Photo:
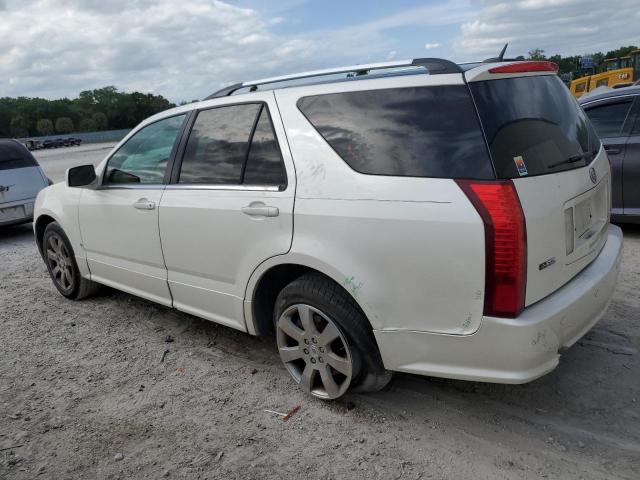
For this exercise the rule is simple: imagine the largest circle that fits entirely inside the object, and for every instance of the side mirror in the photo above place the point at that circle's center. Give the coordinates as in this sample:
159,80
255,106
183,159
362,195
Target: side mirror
81,176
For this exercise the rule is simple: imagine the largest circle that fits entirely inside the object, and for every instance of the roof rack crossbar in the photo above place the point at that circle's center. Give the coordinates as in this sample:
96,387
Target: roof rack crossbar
435,66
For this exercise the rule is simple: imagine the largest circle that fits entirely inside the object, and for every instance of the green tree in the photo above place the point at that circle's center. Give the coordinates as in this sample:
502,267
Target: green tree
64,125
44,126
100,121
87,125
19,126
536,54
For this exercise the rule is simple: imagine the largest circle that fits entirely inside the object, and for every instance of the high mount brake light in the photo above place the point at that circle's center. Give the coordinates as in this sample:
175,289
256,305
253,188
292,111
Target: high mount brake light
505,236
523,67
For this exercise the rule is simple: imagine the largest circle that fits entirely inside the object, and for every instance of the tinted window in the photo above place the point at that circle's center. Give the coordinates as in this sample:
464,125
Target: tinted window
608,119
533,125
13,155
421,132
264,164
218,145
144,157
580,87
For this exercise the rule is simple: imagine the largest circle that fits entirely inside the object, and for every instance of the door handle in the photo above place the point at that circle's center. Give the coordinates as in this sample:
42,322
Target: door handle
260,210
612,150
144,204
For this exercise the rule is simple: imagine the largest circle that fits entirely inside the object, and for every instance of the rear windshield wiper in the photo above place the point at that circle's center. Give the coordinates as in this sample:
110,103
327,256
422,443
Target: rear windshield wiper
572,159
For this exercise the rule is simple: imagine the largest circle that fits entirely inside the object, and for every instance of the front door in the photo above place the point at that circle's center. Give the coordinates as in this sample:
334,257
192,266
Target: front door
631,169
119,218
228,208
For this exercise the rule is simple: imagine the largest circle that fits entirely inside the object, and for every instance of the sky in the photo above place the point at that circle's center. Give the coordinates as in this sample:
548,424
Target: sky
187,49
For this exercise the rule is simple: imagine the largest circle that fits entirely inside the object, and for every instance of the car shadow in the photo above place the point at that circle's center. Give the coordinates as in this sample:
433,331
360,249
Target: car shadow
16,232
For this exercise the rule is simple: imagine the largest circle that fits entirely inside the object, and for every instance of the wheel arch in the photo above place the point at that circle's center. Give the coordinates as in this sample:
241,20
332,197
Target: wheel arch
39,226
277,272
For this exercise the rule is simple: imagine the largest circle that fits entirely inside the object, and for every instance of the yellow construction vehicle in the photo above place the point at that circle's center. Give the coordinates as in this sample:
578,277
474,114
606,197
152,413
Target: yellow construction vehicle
619,72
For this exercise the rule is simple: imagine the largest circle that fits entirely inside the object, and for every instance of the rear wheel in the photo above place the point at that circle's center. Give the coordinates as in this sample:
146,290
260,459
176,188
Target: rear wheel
324,339
61,264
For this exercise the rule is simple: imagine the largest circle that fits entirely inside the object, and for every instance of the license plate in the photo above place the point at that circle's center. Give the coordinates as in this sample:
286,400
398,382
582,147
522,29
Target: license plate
19,212
582,217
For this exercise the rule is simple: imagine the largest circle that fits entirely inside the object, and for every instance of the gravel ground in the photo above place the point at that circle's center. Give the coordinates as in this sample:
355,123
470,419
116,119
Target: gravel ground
85,393
118,387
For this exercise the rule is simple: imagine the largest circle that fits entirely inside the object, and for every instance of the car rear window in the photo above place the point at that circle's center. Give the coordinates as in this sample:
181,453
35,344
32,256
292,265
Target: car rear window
533,126
415,132
13,155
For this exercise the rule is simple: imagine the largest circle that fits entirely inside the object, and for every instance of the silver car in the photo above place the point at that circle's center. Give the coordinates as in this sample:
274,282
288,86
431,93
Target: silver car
21,178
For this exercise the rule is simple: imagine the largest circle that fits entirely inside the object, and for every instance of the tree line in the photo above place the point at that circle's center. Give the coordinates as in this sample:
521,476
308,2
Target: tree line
94,110
571,64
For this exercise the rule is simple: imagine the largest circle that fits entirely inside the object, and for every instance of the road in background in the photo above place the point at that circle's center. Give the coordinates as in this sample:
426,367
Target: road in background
55,161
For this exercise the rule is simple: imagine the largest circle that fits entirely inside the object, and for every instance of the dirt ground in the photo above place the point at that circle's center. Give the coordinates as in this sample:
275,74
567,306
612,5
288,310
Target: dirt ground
85,393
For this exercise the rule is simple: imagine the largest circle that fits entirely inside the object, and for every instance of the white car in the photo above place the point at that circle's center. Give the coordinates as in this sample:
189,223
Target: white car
418,216
21,178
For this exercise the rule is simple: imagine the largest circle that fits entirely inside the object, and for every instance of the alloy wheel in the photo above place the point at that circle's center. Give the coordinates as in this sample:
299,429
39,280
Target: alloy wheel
314,351
60,262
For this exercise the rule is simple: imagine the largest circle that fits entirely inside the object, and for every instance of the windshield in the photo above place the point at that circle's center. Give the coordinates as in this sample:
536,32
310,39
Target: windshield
533,126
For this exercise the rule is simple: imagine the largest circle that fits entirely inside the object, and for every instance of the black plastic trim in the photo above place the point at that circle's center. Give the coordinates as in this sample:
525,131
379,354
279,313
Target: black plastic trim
437,66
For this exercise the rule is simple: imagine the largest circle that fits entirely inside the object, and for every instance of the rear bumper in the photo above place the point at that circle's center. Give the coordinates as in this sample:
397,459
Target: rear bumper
12,213
513,350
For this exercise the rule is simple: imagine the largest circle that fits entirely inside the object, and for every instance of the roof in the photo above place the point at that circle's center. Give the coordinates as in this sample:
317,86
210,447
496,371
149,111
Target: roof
614,92
432,66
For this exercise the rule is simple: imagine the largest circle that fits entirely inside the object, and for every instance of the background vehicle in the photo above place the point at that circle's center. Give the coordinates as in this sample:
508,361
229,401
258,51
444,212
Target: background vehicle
450,220
21,178
33,144
619,72
616,117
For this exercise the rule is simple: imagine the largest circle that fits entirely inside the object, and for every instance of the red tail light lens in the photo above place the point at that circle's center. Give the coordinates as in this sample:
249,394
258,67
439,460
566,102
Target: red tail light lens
505,237
523,67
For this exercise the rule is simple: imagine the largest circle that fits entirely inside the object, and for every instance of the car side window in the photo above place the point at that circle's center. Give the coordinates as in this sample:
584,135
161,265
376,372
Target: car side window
218,145
608,119
234,145
264,163
144,157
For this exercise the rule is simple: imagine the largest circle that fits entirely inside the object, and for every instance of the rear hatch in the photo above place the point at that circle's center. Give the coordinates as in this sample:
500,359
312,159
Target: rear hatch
20,175
540,138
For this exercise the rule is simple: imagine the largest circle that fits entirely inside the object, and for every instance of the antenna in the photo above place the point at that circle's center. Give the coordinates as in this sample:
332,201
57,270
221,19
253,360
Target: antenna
499,58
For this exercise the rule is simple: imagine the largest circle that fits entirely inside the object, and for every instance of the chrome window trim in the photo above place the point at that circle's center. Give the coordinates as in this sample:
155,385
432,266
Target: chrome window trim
144,186
255,188
608,99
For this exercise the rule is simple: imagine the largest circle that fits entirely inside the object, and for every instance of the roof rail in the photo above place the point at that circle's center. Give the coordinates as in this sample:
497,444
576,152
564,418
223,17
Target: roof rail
434,66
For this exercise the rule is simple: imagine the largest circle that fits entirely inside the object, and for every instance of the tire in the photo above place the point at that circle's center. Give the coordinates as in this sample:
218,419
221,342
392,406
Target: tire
312,310
61,264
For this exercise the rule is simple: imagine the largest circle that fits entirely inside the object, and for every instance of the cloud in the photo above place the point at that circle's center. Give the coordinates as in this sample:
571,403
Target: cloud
430,46
186,50
557,26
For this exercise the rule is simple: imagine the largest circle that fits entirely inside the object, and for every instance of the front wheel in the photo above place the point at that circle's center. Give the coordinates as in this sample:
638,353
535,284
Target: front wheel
324,339
61,264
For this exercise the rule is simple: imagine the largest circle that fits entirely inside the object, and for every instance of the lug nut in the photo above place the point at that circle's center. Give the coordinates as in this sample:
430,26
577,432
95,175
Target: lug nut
314,340
313,360
306,351
320,359
321,349
306,340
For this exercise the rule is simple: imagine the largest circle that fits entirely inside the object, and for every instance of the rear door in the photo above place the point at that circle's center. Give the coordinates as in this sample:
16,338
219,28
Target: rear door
228,208
540,138
611,120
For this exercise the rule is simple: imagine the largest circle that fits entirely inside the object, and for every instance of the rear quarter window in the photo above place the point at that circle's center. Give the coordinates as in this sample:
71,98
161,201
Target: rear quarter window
415,132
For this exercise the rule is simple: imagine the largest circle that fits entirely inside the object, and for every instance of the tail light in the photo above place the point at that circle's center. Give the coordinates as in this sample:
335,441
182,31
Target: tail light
523,67
505,237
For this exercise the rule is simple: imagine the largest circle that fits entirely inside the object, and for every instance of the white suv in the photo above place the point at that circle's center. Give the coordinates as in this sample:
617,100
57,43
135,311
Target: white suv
420,216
